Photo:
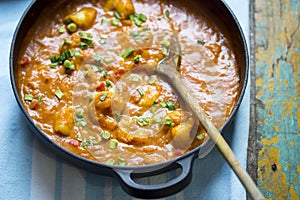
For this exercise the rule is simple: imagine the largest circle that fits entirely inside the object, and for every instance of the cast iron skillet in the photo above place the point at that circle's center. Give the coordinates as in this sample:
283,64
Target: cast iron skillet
228,23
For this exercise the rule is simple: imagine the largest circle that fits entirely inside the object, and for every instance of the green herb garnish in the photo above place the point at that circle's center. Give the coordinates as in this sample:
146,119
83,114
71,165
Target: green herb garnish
59,94
151,81
136,58
113,144
104,21
118,117
200,136
28,97
134,79
169,122
40,98
103,97
200,42
122,161
105,135
141,91
110,162
69,64
127,53
85,144
72,27
143,121
52,65
115,22
167,14
105,74
61,29
117,15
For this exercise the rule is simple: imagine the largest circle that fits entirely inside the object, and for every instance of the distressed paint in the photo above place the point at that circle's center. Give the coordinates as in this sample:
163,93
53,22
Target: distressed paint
275,98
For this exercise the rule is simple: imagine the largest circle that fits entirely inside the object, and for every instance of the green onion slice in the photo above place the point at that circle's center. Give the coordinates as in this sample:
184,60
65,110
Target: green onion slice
135,79
200,42
151,81
103,97
28,97
105,135
118,117
127,52
141,91
113,144
59,94
200,136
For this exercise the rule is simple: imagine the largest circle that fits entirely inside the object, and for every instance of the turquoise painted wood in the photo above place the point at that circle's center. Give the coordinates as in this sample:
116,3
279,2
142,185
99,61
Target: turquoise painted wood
274,145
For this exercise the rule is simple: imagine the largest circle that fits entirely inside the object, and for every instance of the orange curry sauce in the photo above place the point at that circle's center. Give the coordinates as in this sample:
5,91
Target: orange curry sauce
81,78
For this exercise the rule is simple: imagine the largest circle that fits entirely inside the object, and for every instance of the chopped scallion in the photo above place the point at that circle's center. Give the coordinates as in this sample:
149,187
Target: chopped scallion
200,136
135,79
136,58
104,21
72,27
108,83
85,144
105,74
115,22
105,135
167,14
170,105
113,144
52,65
110,162
69,64
122,161
153,110
103,97
127,52
118,117
80,121
143,121
82,45
151,81
168,122
141,91
28,97
53,59
59,94
40,98
200,42
77,54
163,104
79,112
67,42
61,29
117,15
142,17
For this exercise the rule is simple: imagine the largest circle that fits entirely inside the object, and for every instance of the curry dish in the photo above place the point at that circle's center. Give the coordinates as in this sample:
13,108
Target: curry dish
85,79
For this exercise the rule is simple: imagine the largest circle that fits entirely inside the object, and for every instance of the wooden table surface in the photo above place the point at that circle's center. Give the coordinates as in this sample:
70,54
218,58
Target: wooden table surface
274,141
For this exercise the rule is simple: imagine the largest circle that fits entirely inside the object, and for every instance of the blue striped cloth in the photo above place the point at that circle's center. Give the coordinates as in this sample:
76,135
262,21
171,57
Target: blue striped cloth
28,170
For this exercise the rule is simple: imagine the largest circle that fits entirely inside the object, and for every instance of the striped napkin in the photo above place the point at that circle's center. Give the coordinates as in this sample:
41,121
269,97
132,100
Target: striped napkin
29,171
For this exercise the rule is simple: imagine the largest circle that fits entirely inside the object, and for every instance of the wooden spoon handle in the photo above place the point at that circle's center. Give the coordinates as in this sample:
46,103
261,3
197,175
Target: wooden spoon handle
173,75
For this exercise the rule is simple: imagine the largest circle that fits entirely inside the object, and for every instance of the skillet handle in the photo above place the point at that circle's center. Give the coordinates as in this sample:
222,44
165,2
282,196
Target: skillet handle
157,190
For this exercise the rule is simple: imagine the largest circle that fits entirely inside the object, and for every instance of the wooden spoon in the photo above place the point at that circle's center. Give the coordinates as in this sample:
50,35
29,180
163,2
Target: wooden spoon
167,67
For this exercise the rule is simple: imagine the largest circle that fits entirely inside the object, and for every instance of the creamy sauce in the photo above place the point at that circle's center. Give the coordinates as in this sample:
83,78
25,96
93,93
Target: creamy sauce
114,95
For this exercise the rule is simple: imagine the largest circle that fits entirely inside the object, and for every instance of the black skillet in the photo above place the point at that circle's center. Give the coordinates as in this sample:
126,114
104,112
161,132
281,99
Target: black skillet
218,11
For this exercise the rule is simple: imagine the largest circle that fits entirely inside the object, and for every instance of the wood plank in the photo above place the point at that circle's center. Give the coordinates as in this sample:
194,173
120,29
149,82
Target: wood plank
274,141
